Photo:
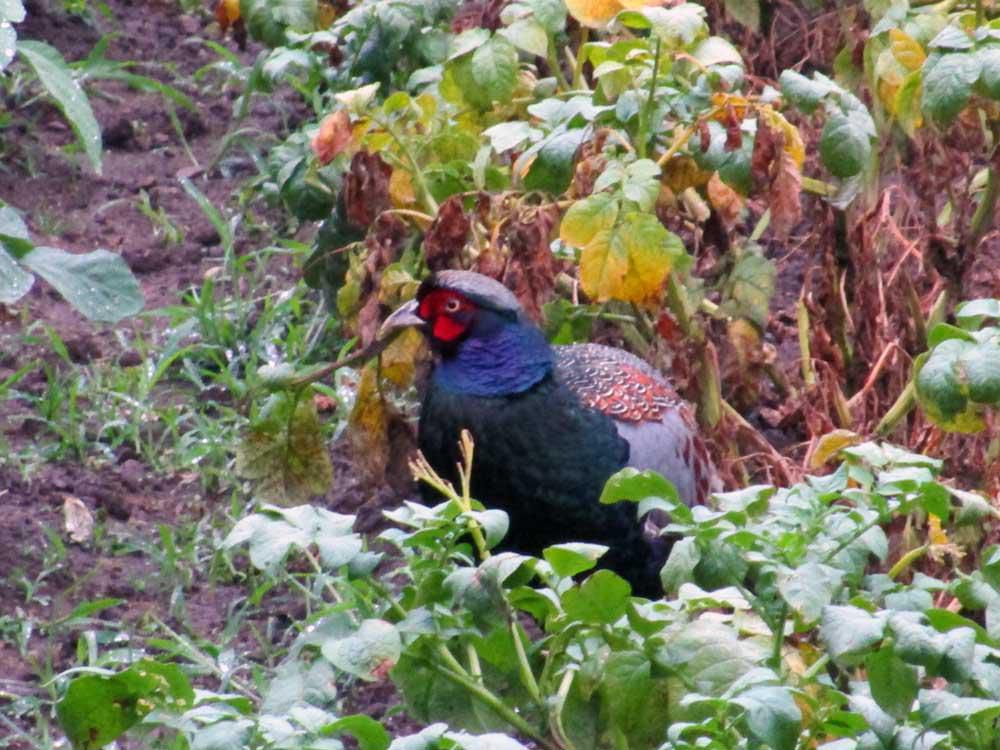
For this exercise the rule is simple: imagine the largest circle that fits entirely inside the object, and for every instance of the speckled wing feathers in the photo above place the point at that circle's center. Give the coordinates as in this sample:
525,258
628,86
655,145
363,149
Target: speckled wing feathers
659,426
615,383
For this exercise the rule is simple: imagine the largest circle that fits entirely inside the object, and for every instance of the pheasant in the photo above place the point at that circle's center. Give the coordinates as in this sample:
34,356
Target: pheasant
551,423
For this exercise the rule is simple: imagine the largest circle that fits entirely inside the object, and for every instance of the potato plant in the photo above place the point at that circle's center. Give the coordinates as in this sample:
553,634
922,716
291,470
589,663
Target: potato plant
581,152
774,631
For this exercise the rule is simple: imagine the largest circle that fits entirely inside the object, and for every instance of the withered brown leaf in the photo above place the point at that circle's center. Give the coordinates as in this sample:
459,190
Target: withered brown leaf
366,188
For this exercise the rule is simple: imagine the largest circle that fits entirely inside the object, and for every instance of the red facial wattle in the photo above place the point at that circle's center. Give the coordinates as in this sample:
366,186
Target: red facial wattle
447,329
447,312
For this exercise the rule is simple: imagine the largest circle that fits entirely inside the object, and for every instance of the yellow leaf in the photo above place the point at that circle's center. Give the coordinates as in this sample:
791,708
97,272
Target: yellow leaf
227,12
587,217
794,145
830,445
681,172
593,13
369,425
906,50
334,135
727,202
887,94
630,261
887,68
284,451
935,533
603,265
401,191
400,358
326,14
730,103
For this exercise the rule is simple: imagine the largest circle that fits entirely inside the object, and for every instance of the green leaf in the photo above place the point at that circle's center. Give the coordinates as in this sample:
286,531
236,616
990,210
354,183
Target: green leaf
944,331
717,51
552,168
635,486
749,287
601,599
772,716
58,80
14,281
948,81
8,44
529,35
268,20
468,41
916,642
369,733
979,369
634,700
681,564
951,37
908,103
490,74
98,284
708,654
809,588
285,451
881,723
551,14
745,12
494,523
804,93
368,653
14,234
274,531
958,376
507,135
98,709
850,632
989,70
12,11
970,315
569,559
586,218
893,682
940,708
844,146
677,27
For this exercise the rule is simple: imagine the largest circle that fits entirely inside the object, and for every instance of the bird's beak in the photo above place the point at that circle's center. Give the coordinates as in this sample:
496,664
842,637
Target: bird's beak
404,317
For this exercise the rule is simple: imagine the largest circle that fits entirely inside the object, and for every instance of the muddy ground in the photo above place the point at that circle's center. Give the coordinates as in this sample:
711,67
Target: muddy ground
67,205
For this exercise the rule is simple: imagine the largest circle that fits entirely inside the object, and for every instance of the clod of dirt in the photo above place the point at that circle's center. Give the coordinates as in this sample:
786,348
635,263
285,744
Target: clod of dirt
83,349
119,134
131,358
206,236
113,504
131,472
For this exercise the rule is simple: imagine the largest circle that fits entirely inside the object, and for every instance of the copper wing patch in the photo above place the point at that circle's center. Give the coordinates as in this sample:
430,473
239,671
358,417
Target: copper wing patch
617,389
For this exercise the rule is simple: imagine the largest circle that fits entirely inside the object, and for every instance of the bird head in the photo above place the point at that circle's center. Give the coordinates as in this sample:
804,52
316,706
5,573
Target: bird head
452,305
487,346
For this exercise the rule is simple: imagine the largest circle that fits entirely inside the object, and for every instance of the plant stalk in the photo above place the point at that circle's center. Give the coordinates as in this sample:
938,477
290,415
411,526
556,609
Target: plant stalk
485,696
904,563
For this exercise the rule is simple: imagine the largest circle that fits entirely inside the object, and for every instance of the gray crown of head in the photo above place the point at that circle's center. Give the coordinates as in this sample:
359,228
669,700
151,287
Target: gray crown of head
481,289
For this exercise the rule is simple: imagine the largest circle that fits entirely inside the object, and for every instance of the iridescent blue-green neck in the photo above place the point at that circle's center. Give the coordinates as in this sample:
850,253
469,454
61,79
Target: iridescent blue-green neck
499,356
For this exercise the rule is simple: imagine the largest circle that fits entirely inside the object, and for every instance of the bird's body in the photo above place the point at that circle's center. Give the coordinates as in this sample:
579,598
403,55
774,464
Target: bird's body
551,424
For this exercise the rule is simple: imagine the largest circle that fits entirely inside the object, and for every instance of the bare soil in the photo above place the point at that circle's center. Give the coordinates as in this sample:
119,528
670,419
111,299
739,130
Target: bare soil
67,205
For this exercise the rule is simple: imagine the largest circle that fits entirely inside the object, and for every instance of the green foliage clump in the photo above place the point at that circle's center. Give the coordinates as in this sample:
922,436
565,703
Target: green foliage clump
776,630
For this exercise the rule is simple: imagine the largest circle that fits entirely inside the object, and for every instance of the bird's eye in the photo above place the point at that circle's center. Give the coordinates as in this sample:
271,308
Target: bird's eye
453,305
